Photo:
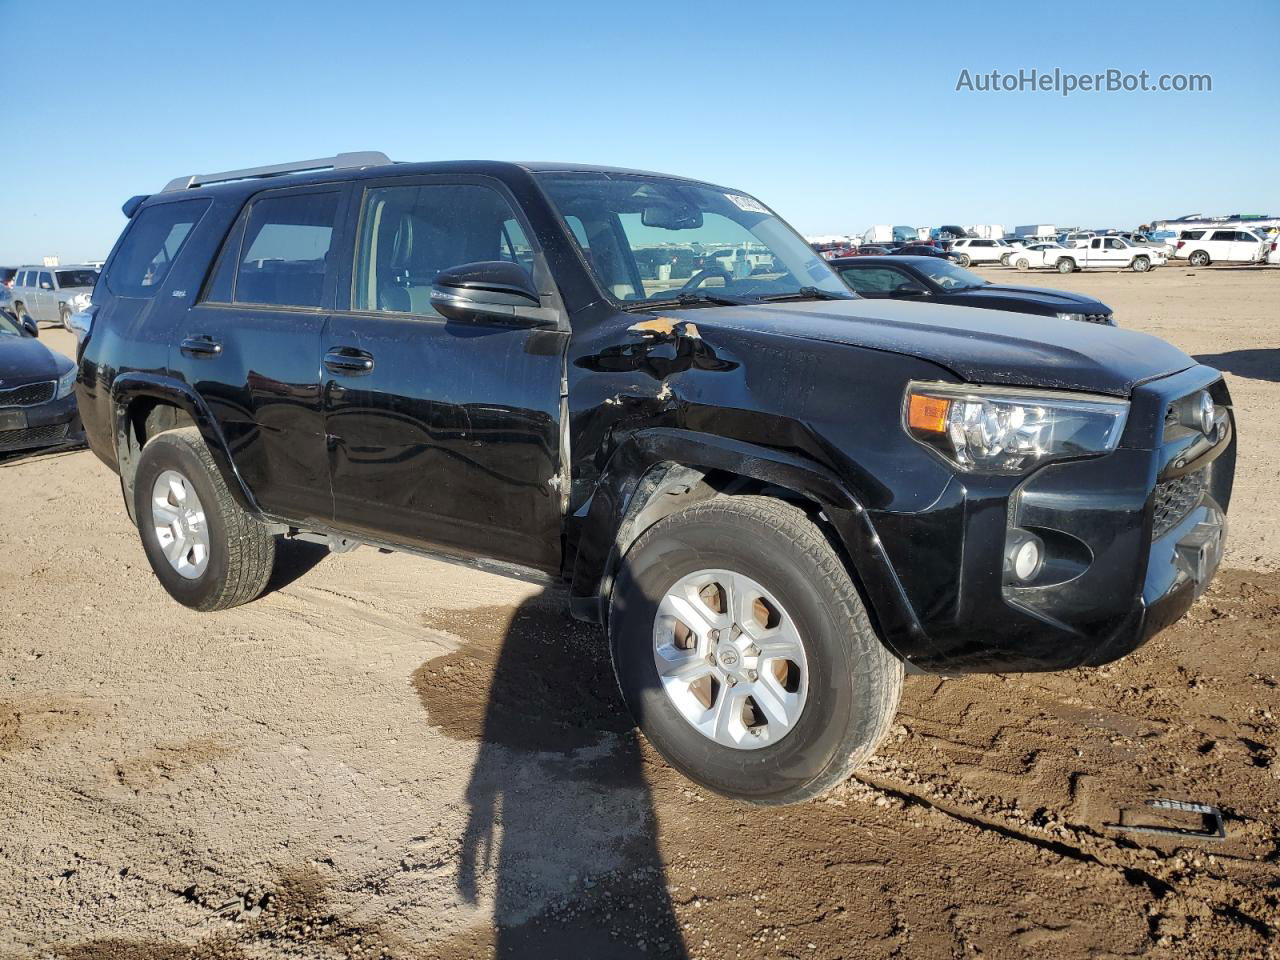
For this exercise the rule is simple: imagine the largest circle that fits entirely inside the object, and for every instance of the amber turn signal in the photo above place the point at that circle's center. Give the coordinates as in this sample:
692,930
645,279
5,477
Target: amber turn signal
928,413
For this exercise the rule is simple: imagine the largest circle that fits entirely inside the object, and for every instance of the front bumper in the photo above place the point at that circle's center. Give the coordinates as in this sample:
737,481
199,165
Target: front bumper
52,424
1130,541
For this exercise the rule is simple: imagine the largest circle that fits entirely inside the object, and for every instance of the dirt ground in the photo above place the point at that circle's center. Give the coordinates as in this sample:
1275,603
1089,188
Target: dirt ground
391,757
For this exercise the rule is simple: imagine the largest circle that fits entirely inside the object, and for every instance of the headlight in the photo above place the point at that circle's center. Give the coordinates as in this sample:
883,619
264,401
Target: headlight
81,301
1009,430
66,383
1078,317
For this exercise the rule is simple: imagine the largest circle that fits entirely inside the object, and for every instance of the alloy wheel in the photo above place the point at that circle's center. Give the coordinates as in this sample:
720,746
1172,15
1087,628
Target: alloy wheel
179,524
730,659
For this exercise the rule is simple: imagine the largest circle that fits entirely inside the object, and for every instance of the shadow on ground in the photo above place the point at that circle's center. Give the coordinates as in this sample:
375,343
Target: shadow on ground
1256,364
561,832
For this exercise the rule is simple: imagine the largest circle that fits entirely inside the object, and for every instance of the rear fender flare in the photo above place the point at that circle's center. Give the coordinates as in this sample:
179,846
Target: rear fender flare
130,389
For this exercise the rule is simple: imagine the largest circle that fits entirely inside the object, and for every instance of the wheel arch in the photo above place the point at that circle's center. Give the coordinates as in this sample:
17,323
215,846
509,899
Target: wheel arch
658,472
144,405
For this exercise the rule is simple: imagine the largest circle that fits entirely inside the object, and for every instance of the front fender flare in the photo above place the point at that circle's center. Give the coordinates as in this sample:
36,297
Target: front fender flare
602,539
127,389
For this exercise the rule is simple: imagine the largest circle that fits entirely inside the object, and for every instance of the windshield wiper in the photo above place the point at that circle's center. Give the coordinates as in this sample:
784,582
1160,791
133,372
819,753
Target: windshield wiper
690,299
805,293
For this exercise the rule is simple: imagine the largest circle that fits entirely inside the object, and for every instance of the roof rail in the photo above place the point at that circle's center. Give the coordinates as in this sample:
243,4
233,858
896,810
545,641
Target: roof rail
341,161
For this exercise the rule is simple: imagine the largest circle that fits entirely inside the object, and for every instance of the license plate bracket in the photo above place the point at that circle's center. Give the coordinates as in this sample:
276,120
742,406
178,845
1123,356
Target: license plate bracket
13,420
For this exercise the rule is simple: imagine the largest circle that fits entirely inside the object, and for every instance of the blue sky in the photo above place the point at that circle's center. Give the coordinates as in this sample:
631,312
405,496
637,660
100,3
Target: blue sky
837,115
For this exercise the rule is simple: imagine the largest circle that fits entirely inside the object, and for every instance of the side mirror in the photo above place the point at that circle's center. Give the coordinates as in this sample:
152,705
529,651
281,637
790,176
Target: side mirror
81,323
494,291
29,326
910,290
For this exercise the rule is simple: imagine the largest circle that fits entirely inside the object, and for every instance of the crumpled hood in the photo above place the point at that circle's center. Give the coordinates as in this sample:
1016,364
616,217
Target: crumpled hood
25,360
979,346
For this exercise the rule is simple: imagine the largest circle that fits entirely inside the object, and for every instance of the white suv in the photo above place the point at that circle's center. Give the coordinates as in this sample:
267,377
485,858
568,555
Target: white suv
1229,245
977,250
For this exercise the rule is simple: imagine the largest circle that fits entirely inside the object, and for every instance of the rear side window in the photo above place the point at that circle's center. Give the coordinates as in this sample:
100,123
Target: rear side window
874,279
1224,235
285,250
153,242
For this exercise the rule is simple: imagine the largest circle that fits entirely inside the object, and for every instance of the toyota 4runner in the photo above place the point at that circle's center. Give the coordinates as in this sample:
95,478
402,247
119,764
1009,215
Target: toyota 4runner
776,496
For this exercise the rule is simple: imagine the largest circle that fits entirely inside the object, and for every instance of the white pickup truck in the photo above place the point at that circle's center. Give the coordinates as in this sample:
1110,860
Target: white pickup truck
1105,253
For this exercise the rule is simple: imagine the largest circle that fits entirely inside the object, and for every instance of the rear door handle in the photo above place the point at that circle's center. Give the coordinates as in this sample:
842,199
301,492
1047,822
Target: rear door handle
349,361
201,346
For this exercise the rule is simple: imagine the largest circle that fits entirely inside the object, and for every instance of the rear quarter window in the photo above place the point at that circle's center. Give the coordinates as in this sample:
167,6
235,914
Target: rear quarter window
152,242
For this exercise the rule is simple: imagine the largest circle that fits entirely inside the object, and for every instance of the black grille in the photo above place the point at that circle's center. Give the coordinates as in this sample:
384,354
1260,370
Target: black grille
33,436
1174,499
27,395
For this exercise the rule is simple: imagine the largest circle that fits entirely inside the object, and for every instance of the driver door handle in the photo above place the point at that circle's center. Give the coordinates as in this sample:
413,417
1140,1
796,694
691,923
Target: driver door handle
201,346
349,361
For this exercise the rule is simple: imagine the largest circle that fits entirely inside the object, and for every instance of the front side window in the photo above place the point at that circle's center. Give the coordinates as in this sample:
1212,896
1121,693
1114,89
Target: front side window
46,281
410,234
653,239
285,250
1224,235
154,240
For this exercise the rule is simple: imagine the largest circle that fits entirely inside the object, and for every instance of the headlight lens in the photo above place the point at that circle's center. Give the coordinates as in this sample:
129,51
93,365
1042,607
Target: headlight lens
1078,317
1004,430
66,383
81,300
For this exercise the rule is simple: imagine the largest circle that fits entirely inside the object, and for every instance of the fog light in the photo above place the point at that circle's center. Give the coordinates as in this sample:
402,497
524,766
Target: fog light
1024,557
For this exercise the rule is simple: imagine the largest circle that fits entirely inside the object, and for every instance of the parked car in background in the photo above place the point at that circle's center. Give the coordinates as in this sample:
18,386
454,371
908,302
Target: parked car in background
1233,245
868,250
978,250
1103,253
51,294
37,402
1035,255
930,280
924,250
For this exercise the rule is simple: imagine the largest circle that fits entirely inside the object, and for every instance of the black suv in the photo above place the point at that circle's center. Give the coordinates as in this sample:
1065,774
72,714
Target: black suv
776,495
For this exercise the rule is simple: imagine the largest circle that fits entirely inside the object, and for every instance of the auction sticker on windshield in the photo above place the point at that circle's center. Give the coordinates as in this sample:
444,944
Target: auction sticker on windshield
749,204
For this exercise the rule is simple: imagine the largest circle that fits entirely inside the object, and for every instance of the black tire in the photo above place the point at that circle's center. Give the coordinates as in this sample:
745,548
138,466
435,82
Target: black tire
241,550
1066,265
964,260
1199,259
854,682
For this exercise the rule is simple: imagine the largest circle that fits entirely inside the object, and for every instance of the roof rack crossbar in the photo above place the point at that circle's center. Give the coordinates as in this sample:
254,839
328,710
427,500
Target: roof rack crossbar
341,161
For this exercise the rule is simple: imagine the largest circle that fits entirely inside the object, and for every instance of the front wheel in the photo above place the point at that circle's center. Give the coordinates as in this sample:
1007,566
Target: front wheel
1141,264
1066,265
205,549
745,654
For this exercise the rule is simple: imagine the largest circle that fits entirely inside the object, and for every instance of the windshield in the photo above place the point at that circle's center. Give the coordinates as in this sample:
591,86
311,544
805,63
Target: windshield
948,276
653,239
77,278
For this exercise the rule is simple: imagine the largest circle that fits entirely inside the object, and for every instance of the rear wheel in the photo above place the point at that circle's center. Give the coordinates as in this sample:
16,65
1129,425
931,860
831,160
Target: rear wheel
746,655
1199,259
206,550
1066,265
